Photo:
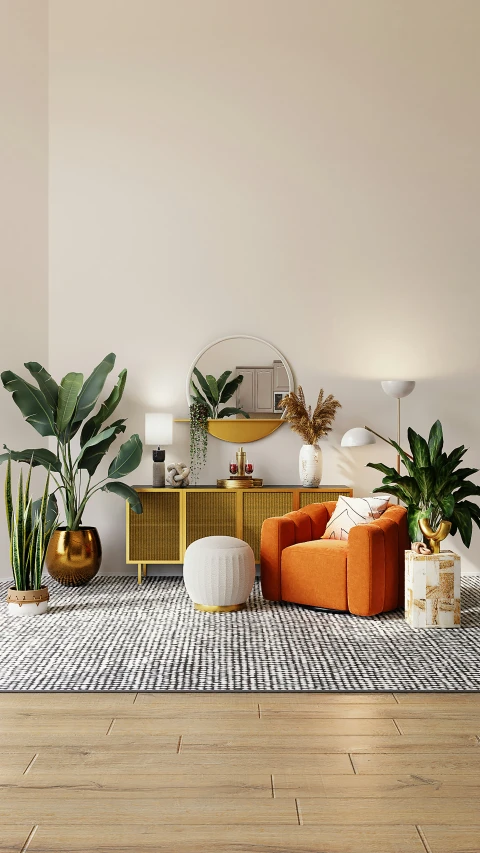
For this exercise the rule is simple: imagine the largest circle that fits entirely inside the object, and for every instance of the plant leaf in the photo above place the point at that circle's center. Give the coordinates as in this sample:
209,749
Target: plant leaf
32,403
92,387
38,456
8,496
93,452
67,399
230,410
466,490
419,448
105,411
391,473
127,459
447,505
463,520
126,492
414,514
426,482
230,388
222,380
212,384
204,386
45,382
435,441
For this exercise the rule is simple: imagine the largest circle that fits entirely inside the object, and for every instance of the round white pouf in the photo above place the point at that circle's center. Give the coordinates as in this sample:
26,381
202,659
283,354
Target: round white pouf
219,572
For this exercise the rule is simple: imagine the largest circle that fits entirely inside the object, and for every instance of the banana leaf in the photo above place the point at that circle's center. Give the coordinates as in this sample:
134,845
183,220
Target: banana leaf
92,387
230,388
222,380
45,382
37,456
93,452
127,493
32,403
67,399
212,384
92,426
204,386
127,459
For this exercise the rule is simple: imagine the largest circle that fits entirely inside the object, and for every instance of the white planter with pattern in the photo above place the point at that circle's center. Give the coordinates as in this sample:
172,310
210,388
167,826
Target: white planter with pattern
310,466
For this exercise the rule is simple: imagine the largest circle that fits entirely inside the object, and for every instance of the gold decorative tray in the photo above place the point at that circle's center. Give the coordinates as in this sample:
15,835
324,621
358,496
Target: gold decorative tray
240,483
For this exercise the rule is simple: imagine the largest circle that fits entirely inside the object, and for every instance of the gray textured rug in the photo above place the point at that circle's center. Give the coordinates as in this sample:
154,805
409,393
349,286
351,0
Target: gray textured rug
115,635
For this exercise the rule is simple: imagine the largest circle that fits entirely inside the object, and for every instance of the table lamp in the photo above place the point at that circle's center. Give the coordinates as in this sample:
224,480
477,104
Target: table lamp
158,431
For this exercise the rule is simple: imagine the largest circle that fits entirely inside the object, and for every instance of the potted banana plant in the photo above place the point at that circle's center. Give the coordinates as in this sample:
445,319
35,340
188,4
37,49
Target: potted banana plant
70,412
31,525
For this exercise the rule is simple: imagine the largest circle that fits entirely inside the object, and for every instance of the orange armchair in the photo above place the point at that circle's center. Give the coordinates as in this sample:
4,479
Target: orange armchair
364,575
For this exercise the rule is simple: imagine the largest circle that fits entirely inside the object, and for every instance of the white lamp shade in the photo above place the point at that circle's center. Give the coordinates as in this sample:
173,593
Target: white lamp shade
398,387
357,437
158,429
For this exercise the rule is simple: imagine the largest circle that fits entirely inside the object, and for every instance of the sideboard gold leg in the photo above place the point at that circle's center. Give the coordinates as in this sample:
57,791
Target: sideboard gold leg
140,572
144,570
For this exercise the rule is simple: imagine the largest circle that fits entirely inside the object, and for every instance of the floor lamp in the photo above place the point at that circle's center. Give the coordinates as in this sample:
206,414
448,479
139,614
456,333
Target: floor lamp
360,436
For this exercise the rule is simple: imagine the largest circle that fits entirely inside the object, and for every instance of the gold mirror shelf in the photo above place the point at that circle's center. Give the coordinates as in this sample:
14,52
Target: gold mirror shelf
240,431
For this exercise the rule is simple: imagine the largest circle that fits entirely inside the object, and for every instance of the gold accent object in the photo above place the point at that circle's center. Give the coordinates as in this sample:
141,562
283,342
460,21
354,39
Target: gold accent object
28,596
219,608
241,462
437,536
74,556
240,430
240,483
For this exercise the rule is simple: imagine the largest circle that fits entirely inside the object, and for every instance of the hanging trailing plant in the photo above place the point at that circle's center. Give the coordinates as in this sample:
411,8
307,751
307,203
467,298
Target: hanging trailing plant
198,438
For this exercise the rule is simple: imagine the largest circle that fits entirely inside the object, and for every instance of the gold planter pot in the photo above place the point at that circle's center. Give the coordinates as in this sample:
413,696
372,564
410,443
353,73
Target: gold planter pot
74,556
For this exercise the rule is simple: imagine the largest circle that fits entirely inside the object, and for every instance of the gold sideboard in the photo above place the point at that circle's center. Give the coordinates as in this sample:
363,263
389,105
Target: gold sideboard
173,518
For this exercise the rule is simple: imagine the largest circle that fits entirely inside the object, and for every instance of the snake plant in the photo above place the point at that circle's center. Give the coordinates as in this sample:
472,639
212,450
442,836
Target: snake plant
214,393
66,412
30,526
434,487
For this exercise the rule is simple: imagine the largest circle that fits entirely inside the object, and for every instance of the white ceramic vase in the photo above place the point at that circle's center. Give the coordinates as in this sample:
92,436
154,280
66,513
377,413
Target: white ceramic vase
310,465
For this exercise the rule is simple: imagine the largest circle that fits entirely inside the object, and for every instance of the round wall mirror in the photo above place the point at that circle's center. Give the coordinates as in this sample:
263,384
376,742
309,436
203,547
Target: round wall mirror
241,380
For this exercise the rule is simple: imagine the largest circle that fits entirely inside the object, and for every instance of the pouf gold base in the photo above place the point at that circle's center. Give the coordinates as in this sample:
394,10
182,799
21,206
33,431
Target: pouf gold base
219,608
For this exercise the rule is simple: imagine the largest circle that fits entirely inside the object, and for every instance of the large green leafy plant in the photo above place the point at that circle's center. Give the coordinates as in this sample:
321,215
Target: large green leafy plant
30,527
434,487
214,393
66,411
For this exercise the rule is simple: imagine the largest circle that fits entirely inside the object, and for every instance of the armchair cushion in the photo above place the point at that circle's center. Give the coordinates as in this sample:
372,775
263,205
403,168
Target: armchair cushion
315,573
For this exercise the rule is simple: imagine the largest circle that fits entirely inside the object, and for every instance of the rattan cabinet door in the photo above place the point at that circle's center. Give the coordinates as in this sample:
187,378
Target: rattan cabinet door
154,536
319,497
210,514
257,506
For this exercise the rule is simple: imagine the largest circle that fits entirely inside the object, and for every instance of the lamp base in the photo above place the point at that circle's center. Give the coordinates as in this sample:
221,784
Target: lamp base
158,470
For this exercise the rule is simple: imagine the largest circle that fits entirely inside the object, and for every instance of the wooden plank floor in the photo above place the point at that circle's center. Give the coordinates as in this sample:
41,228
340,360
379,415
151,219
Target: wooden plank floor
240,773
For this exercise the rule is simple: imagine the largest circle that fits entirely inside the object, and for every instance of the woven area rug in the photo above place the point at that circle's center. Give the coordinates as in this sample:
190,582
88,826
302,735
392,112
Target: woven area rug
115,635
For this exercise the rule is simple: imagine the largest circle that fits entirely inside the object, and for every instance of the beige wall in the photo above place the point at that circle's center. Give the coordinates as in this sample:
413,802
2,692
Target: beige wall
23,210
306,172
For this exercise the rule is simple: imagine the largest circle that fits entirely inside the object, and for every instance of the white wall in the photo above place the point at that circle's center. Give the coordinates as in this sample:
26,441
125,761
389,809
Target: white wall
307,172
23,211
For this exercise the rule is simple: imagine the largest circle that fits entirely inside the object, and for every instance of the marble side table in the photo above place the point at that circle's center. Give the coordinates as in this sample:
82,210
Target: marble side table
432,590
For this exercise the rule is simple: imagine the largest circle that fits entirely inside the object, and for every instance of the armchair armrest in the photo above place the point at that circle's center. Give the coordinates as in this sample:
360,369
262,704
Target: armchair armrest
375,564
277,534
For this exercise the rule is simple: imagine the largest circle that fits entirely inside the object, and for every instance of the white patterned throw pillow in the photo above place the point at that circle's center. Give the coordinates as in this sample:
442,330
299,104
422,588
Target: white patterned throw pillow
352,511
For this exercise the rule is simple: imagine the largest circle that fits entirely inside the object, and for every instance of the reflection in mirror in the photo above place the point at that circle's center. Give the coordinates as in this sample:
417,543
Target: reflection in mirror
240,377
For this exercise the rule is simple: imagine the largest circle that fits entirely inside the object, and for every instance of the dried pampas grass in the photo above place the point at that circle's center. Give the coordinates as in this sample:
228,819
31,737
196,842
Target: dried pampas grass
311,427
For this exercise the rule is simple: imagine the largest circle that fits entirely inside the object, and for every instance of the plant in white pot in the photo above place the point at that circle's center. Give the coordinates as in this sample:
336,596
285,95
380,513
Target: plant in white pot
311,426
31,525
